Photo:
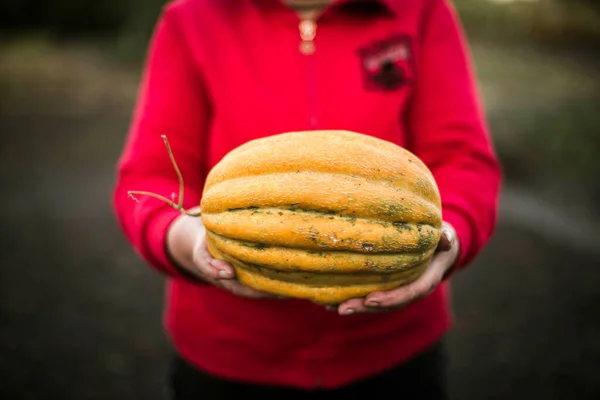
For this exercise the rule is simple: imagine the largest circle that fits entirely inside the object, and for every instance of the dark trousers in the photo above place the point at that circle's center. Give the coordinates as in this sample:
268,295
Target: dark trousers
421,378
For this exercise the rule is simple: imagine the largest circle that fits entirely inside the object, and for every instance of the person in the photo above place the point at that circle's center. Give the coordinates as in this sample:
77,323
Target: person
221,73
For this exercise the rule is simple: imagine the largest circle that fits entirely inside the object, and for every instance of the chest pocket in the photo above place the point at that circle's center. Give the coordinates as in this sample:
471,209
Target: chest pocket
387,64
372,92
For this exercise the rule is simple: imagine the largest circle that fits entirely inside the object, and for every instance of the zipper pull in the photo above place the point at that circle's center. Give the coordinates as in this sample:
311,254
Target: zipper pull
308,31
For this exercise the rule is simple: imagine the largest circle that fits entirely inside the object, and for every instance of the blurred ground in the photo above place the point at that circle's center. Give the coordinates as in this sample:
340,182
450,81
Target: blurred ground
80,315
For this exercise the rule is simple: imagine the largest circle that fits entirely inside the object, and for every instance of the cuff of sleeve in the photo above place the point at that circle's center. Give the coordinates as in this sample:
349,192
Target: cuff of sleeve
464,236
157,234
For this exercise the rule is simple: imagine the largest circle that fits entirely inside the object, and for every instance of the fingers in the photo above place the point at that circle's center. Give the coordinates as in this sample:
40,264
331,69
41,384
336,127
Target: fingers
221,273
208,265
404,295
222,268
354,306
238,289
415,290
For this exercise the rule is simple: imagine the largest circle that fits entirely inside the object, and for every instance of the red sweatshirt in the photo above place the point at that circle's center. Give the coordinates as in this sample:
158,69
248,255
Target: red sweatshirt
220,73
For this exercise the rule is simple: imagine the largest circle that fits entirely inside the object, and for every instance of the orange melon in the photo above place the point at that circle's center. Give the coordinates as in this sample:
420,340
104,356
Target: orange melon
322,215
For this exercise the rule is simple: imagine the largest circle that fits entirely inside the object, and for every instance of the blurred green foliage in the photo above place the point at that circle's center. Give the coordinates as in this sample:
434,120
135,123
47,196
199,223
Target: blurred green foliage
556,144
124,25
543,20
131,21
542,103
76,17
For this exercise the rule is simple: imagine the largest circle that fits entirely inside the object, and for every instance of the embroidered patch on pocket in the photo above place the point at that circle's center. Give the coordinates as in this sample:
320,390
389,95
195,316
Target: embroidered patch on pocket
387,64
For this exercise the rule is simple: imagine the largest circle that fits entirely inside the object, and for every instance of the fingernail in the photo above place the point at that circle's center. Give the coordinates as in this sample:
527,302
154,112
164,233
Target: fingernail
348,311
223,274
373,303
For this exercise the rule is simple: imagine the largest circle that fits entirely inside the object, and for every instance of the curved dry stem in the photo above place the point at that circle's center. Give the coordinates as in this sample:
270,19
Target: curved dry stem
179,205
177,171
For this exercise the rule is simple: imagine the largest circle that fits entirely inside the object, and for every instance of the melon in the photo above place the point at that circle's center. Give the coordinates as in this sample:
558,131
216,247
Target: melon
322,215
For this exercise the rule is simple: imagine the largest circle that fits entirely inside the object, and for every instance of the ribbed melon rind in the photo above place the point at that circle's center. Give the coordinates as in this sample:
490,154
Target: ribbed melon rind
335,152
312,231
340,195
294,259
322,215
333,292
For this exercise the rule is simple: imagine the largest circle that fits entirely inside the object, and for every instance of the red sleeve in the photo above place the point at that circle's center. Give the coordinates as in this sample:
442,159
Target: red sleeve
172,102
449,132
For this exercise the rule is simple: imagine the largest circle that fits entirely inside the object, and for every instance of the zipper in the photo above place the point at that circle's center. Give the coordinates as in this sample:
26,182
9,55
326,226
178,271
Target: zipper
308,31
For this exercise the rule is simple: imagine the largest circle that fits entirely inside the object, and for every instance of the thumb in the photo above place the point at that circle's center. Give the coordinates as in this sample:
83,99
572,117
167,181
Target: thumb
446,238
206,263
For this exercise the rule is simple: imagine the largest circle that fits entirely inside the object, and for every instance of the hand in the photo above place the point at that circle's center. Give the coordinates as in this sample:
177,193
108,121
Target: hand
445,257
186,244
